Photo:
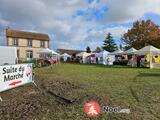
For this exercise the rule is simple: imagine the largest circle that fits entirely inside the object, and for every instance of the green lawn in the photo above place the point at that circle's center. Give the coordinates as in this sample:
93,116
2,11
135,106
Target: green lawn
135,88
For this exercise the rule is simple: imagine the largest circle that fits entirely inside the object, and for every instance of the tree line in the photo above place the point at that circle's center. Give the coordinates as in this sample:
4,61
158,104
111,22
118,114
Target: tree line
142,33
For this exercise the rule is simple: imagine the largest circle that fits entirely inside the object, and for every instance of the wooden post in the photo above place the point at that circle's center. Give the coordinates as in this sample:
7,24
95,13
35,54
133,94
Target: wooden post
1,99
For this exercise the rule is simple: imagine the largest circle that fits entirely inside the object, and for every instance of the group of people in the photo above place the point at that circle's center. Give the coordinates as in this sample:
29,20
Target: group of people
138,61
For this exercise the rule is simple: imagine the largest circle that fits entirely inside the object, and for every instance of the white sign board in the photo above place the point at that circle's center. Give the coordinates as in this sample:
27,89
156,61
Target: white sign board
12,76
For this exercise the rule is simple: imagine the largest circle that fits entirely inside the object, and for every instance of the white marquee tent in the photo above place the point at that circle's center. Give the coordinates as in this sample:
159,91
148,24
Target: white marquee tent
48,51
84,56
117,52
131,62
112,55
65,56
131,51
105,58
103,54
148,49
151,50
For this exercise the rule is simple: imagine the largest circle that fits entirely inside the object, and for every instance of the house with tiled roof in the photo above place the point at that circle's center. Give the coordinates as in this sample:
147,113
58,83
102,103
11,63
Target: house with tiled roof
28,44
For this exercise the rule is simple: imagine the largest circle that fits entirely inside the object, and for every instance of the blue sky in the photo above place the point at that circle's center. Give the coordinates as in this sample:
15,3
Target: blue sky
75,24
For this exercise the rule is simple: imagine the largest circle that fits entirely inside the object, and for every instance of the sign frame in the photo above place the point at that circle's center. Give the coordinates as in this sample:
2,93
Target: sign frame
12,76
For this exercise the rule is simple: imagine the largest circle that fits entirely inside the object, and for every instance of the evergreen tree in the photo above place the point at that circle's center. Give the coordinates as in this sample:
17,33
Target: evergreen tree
109,44
88,50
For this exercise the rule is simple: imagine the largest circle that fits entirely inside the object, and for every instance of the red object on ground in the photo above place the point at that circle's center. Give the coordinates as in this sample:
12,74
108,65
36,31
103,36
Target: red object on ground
14,83
53,62
92,109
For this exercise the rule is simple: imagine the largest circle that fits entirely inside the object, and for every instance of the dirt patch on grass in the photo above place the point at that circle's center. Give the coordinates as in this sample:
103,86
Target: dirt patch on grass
30,102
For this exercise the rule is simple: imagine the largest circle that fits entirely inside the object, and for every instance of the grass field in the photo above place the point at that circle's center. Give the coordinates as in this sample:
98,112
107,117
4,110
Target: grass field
133,88
64,89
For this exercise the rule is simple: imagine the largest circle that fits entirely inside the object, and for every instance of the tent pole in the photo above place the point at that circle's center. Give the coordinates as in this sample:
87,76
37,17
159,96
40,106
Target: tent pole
151,60
132,60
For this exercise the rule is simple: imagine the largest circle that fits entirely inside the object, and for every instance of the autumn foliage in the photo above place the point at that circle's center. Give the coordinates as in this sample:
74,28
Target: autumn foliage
141,34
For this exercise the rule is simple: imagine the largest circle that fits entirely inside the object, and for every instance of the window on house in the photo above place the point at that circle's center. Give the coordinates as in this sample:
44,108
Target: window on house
29,54
15,41
42,44
29,43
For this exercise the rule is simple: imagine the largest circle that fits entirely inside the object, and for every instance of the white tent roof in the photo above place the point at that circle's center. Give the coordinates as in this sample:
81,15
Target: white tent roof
66,55
55,53
130,51
48,51
148,49
117,52
102,53
83,54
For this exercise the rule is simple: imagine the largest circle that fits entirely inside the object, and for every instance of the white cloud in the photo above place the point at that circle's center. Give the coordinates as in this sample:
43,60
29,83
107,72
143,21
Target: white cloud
98,35
130,10
3,22
117,31
56,18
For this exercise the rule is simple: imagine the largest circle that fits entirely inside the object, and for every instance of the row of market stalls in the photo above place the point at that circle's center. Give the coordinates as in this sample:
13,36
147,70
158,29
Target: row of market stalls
149,56
48,53
52,56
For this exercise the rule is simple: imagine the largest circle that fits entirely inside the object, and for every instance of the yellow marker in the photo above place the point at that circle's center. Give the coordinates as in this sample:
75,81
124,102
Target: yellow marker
147,57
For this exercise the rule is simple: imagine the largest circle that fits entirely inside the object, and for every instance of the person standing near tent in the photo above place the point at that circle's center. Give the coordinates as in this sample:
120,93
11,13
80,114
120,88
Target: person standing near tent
138,61
108,60
96,60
